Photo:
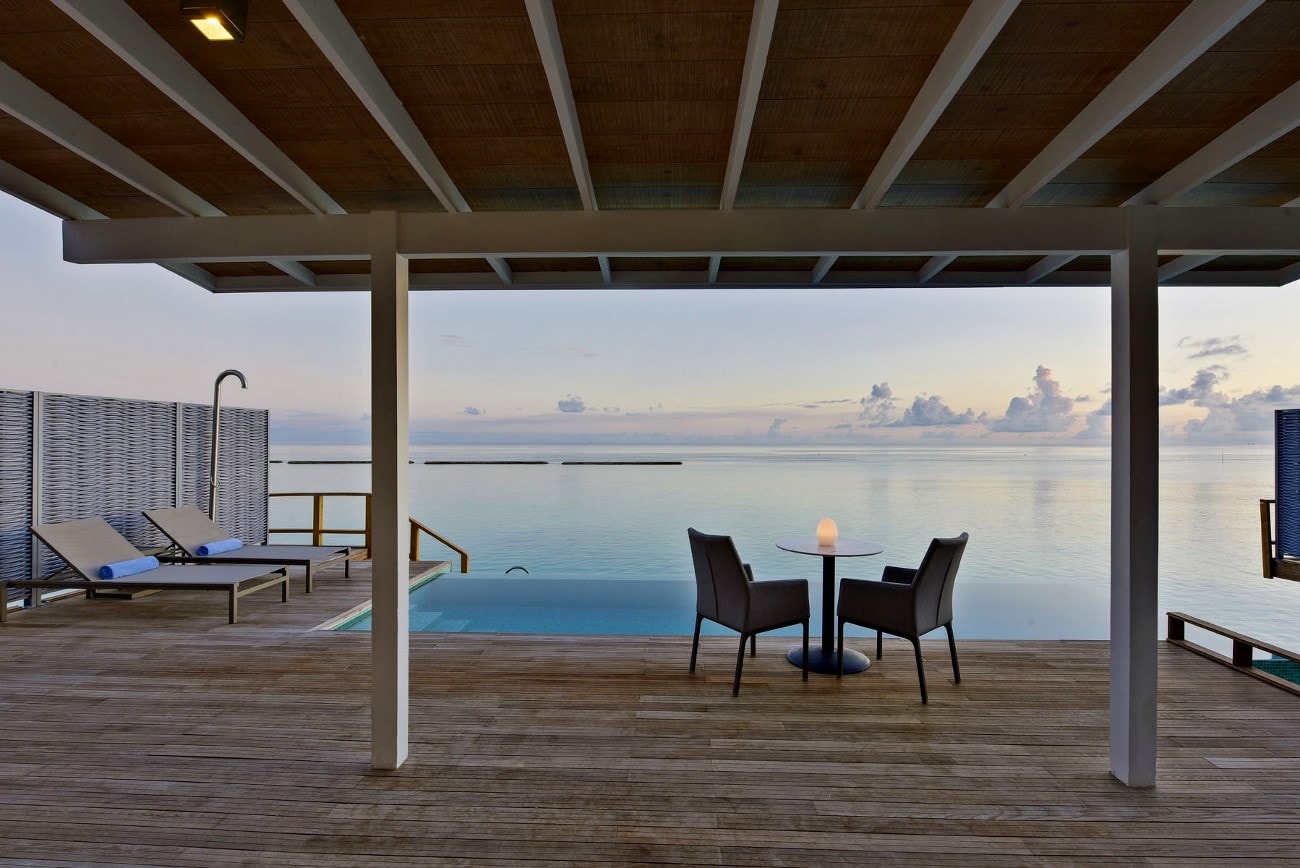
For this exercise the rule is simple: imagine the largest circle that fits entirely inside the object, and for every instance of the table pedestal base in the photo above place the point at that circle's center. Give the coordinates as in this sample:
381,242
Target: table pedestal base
820,661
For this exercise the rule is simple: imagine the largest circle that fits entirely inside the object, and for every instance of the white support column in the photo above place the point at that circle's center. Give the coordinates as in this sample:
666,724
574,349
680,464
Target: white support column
389,372
1134,497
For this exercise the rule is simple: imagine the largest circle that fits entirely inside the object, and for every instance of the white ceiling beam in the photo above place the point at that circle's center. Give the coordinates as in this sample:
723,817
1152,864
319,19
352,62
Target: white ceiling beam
33,106
326,24
751,84
1266,124
691,280
822,268
627,280
748,232
194,274
1201,24
1227,230
39,194
977,30
1181,265
1046,266
982,22
1287,275
334,36
931,269
296,270
605,273
546,31
671,233
1194,31
127,35
502,268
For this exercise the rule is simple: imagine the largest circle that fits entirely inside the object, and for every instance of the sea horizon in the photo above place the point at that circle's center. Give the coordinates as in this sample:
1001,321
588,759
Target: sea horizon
1037,565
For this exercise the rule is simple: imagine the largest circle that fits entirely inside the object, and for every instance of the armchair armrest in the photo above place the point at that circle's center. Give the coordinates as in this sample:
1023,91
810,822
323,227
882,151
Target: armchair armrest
898,575
882,605
777,602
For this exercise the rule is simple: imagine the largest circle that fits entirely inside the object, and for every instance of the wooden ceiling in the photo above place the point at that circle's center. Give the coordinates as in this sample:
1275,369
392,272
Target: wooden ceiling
661,118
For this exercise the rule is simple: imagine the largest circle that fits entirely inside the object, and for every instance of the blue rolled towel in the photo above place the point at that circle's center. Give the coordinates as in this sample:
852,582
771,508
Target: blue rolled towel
122,569
217,546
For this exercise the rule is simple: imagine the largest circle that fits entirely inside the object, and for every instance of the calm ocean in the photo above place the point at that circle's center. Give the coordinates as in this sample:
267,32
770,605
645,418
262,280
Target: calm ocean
1037,565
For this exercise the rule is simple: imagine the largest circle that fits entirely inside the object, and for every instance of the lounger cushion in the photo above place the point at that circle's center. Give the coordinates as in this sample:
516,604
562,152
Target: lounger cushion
131,567
218,546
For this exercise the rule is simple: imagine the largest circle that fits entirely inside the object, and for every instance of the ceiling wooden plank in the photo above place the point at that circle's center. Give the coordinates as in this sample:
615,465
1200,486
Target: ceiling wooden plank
541,13
981,23
117,26
336,39
330,30
1201,24
546,31
751,83
40,111
39,194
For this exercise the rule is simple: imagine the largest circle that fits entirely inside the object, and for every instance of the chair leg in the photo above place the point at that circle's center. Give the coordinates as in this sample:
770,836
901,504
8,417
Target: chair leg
695,643
920,671
753,645
740,663
952,648
839,650
805,650
880,646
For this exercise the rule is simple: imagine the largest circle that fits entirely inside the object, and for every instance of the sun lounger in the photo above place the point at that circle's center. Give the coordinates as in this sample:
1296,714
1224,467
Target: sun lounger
89,544
190,529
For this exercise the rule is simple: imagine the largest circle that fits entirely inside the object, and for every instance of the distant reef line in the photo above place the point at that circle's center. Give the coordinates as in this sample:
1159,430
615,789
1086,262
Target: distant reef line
570,463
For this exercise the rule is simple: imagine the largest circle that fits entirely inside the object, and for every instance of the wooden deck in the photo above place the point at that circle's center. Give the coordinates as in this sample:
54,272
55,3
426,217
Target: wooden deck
149,731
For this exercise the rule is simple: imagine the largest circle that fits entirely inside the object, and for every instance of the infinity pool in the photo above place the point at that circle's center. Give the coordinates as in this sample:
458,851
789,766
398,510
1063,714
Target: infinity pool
454,603
474,603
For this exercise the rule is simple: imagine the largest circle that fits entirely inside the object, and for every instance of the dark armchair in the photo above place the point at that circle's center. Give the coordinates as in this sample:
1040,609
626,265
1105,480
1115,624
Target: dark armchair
907,603
726,593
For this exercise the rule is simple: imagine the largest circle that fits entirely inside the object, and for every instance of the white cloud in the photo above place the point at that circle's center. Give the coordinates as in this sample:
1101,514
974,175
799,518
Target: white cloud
878,406
1206,347
1045,408
930,412
1201,391
571,404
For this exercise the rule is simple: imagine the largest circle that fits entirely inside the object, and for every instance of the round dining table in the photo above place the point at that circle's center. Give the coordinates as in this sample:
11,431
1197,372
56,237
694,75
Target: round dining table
823,659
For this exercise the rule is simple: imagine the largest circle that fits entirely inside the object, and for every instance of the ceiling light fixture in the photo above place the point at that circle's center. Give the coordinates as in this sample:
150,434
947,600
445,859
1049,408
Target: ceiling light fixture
218,20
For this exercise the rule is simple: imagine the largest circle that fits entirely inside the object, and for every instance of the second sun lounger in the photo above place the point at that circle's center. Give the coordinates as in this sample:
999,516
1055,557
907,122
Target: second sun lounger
189,528
89,544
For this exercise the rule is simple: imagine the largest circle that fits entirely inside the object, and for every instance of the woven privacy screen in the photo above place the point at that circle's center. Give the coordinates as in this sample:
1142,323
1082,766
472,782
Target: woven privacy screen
1287,493
242,478
15,484
65,457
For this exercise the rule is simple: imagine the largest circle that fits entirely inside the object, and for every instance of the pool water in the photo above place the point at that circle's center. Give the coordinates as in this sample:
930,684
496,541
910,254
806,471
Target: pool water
584,606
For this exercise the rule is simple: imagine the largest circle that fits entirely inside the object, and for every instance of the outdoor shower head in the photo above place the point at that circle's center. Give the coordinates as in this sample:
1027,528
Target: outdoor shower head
216,434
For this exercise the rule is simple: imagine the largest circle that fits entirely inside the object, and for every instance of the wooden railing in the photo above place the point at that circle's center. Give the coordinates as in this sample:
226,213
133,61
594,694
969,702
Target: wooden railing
1243,649
418,527
318,530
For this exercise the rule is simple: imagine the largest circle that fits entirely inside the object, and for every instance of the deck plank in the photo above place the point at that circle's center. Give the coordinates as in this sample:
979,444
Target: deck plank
148,732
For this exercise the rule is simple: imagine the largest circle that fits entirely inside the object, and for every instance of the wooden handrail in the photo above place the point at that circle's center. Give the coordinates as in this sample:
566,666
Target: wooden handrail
417,527
1243,649
318,530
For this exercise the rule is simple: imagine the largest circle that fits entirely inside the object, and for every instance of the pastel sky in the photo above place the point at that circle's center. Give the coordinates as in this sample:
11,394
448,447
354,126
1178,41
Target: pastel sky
675,366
